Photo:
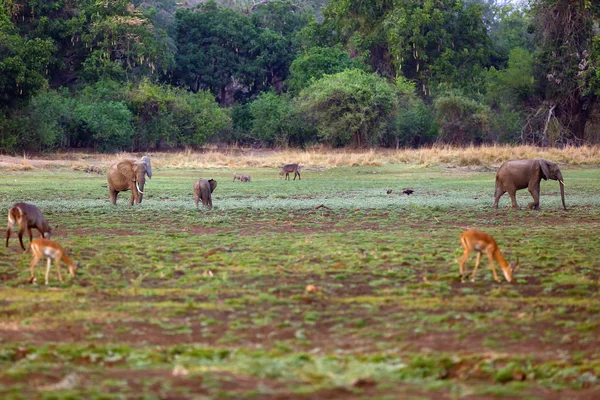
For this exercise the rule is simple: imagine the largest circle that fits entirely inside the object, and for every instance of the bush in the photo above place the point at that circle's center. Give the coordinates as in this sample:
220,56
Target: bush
461,120
350,107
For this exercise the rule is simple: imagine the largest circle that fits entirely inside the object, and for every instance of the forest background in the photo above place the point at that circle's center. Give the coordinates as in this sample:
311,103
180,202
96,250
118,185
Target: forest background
111,75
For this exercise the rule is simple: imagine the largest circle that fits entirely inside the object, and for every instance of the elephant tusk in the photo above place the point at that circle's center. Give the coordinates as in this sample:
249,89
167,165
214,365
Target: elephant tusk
138,187
561,182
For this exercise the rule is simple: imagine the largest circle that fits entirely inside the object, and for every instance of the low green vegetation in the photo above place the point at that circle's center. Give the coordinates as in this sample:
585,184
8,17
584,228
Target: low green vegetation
174,302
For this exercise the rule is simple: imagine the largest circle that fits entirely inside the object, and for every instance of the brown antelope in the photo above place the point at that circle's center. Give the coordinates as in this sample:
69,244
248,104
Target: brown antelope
27,216
473,240
286,169
52,250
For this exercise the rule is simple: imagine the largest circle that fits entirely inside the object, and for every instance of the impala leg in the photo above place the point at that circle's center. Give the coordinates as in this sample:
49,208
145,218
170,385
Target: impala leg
489,255
58,269
461,265
48,269
35,260
476,266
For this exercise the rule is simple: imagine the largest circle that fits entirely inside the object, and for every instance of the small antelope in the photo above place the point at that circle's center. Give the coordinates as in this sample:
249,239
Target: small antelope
52,250
473,240
286,169
27,216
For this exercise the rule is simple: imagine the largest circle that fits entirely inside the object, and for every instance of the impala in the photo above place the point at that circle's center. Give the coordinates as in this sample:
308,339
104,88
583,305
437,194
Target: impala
473,240
52,250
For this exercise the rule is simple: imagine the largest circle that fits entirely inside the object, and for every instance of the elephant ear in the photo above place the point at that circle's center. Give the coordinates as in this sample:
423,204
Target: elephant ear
545,165
213,184
126,168
146,161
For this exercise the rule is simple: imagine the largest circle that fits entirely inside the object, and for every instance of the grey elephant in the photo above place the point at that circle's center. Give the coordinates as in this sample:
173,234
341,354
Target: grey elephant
520,174
129,175
203,191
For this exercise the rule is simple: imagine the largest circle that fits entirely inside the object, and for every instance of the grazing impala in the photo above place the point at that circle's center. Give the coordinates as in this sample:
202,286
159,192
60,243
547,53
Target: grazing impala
27,216
52,250
473,240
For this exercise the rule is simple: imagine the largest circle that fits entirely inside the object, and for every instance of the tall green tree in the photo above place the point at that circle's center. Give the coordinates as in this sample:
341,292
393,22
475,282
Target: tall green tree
565,69
350,107
316,62
22,64
233,55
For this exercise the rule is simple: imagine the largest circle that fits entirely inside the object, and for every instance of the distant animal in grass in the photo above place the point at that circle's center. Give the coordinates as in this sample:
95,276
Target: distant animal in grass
241,177
54,251
26,216
289,168
203,191
389,191
408,192
479,242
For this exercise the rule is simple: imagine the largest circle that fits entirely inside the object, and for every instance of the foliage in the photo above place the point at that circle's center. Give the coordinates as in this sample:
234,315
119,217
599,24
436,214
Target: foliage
233,55
174,117
565,69
94,40
276,122
22,64
461,120
316,62
431,42
349,107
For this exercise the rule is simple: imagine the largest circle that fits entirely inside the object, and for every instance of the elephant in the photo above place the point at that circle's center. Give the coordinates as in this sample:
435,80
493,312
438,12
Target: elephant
520,174
129,175
203,191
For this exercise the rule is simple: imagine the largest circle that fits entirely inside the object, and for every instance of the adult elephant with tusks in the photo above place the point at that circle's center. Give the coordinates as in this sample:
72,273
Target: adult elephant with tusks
126,175
520,174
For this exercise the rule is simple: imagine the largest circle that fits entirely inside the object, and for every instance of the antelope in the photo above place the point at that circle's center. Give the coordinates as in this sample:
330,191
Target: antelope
52,250
473,240
286,169
27,216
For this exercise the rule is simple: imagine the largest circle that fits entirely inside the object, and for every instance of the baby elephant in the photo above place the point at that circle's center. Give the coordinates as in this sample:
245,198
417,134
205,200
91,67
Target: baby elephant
203,191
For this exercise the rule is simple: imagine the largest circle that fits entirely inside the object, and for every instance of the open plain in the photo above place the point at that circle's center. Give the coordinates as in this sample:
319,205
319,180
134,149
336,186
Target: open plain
175,303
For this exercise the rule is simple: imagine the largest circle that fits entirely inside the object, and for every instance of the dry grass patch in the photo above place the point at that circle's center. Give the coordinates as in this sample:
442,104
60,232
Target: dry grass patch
321,157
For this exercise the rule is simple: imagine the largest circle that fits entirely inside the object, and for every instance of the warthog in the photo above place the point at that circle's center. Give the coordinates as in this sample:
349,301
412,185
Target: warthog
288,168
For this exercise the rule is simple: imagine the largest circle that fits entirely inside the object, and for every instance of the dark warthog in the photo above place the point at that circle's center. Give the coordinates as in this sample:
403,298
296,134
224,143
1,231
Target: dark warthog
288,168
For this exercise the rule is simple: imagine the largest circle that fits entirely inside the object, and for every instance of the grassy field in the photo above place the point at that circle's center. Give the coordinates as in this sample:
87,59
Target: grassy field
175,303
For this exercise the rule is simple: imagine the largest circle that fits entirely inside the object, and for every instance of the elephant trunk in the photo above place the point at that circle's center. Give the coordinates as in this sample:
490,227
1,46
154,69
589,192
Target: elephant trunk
562,193
138,187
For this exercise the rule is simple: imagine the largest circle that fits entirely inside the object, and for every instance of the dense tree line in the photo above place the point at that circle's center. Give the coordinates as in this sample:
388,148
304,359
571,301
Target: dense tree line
154,74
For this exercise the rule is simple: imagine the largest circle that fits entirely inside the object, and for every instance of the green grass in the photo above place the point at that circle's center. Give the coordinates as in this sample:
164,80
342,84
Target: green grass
177,302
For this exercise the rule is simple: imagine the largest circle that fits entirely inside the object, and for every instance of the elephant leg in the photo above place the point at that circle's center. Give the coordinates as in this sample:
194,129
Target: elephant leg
535,193
113,196
499,192
132,198
513,198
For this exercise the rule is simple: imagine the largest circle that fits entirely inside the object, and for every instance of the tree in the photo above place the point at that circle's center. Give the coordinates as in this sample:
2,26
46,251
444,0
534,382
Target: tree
316,62
461,120
350,107
565,70
22,64
232,55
